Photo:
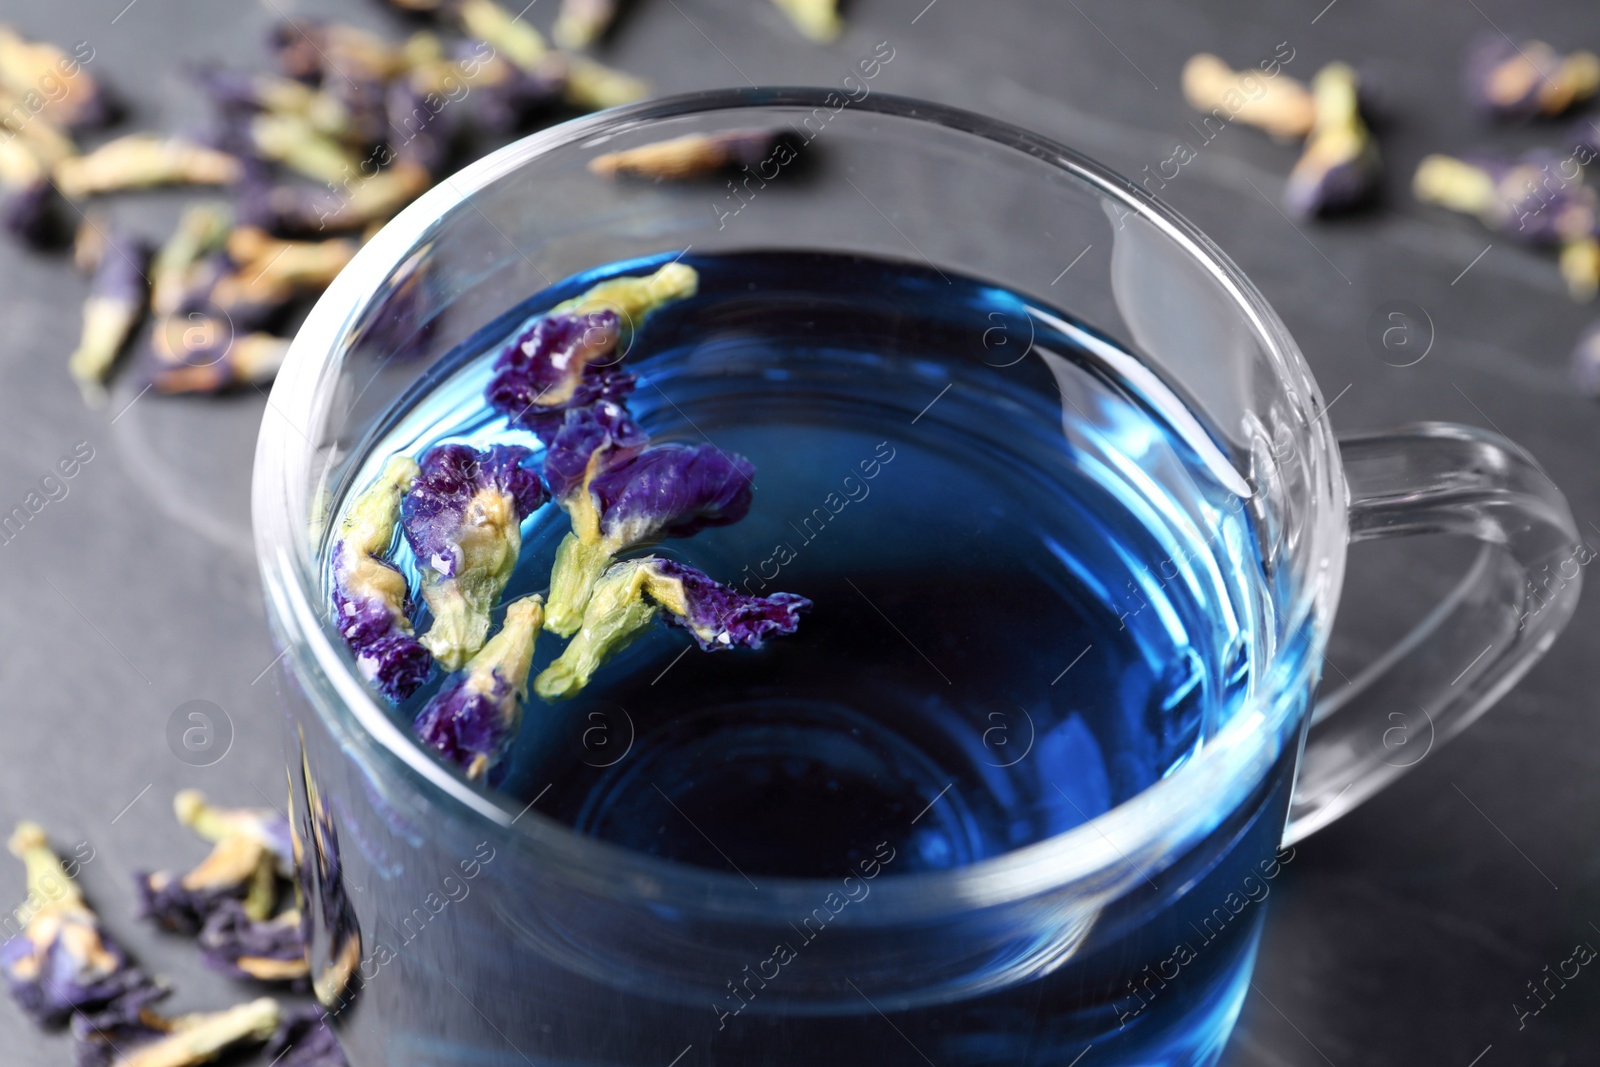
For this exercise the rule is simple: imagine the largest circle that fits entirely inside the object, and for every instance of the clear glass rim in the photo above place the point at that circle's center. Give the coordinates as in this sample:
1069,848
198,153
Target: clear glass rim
1170,814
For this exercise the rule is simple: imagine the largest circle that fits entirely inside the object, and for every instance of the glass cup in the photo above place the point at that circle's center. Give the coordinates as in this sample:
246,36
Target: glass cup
449,925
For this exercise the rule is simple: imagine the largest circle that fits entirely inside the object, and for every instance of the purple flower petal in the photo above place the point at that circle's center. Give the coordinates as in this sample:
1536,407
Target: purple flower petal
271,950
463,519
563,362
129,1032
605,430
628,595
474,716
370,596
62,961
304,1039
719,616
671,491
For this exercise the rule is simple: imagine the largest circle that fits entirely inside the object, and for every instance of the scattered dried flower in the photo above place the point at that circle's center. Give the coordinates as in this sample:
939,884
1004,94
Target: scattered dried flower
232,362
1280,105
132,1035
1340,167
140,160
580,23
1523,80
61,962
266,950
202,230
115,305
76,100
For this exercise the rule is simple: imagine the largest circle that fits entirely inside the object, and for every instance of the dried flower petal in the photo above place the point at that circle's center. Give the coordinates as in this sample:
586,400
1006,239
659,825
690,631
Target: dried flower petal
251,359
141,159
304,1039
318,52
591,85
61,962
817,19
563,362
475,715
76,100
1528,199
1280,105
370,596
267,950
568,358
691,156
296,143
132,1035
1520,80
716,615
32,213
664,491
513,37
626,599
251,850
462,518
1340,167
116,303
580,23
200,231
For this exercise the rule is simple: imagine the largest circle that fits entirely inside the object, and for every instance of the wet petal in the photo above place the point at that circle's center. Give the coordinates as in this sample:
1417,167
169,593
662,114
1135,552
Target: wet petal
370,596
474,716
462,518
719,616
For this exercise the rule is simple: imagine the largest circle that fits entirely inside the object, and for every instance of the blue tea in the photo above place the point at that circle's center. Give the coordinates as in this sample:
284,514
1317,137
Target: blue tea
1032,599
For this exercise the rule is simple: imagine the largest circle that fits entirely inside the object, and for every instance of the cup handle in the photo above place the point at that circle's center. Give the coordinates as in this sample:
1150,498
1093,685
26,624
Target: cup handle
1439,478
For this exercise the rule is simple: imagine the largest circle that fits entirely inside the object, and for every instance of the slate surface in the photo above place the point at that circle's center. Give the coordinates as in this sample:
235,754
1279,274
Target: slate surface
1403,935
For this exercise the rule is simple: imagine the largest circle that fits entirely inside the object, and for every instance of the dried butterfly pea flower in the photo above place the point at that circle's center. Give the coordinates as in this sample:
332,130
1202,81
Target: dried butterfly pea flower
299,210
234,361
817,19
269,950
26,66
1526,79
418,133
562,362
627,598
1340,167
664,491
1280,105
251,850
580,23
512,37
691,156
462,518
237,93
116,303
132,1035
1527,199
31,201
61,961
475,715
304,1039
201,231
291,267
295,142
318,52
591,85
1586,362
370,596
140,160
47,141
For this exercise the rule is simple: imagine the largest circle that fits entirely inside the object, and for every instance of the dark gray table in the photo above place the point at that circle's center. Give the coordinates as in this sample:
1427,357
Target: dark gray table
1403,935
